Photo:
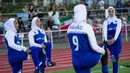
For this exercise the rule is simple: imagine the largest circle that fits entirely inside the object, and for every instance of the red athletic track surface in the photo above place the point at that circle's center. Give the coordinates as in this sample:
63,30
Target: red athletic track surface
61,56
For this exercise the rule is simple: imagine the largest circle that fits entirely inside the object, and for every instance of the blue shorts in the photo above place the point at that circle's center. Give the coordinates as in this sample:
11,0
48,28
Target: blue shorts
16,59
115,48
16,56
82,64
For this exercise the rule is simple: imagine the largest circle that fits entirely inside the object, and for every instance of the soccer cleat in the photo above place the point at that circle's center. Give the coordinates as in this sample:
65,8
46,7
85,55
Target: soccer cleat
38,71
51,64
113,59
41,72
127,66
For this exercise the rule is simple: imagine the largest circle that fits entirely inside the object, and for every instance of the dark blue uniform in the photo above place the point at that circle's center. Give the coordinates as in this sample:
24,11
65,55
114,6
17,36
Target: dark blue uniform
15,57
83,56
38,53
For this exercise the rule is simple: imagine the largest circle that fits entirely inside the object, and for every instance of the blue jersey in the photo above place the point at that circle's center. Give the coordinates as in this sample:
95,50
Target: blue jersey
16,52
16,41
37,37
112,29
13,42
79,43
82,39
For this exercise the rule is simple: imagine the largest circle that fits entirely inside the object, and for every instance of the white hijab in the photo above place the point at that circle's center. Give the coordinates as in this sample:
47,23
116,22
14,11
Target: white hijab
80,13
33,24
9,25
111,19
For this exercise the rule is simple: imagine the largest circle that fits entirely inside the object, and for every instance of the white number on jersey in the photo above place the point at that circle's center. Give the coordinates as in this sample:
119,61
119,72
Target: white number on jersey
75,42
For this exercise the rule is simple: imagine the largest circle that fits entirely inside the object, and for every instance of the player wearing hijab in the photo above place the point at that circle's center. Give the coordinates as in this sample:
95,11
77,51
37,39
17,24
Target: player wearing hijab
39,47
85,51
112,37
16,53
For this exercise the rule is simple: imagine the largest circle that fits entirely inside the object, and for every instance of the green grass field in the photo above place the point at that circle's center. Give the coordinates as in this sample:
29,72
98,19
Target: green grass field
97,69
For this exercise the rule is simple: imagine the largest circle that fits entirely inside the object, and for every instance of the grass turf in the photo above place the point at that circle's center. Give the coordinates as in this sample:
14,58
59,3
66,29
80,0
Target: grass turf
97,69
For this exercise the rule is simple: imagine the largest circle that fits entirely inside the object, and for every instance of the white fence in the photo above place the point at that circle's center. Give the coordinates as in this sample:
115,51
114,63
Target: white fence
57,34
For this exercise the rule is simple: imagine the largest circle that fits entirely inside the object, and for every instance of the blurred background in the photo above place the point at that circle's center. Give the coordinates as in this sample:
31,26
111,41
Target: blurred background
57,15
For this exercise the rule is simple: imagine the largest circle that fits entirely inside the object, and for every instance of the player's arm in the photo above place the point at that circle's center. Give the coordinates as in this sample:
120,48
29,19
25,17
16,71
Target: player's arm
105,33
10,36
45,38
31,40
118,29
92,40
105,30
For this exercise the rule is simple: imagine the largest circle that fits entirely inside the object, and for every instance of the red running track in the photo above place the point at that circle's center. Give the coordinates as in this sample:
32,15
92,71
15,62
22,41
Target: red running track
61,56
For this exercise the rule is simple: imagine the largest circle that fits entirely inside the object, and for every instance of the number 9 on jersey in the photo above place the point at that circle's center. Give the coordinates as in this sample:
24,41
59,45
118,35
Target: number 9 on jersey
75,42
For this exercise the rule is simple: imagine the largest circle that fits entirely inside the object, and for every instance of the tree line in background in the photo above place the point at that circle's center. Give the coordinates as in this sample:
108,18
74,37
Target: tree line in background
7,6
11,6
17,1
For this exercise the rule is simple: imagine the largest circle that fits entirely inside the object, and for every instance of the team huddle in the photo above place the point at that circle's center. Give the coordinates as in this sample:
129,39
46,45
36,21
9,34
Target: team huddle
86,53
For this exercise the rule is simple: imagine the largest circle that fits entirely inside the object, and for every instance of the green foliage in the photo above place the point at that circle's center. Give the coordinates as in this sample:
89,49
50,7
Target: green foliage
7,1
18,1
11,8
70,6
106,6
94,4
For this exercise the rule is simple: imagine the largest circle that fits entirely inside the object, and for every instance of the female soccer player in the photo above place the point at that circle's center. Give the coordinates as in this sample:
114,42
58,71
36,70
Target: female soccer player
85,51
112,37
16,53
39,47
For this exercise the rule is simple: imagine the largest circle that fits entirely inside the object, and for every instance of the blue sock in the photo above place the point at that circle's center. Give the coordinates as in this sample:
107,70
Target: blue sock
115,67
43,70
48,51
104,69
113,59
